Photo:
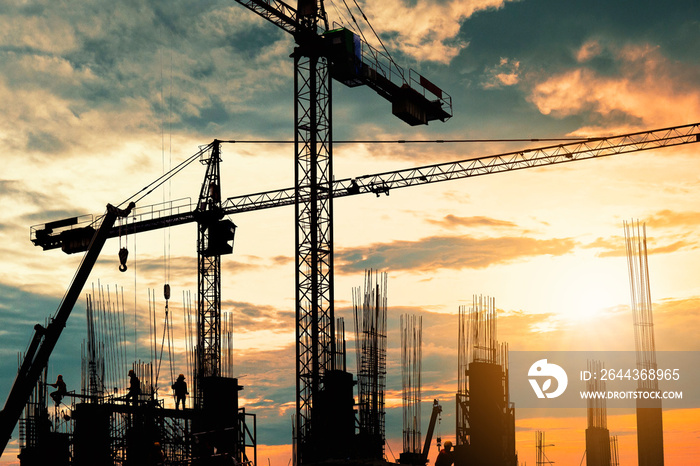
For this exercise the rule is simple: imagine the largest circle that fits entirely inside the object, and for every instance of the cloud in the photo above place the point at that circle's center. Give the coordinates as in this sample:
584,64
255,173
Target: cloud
425,30
16,190
615,246
453,221
447,252
649,90
506,73
249,317
99,75
589,50
669,219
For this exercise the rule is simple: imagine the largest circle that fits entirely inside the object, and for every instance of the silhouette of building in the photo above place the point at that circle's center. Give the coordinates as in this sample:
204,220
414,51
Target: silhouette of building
485,416
650,435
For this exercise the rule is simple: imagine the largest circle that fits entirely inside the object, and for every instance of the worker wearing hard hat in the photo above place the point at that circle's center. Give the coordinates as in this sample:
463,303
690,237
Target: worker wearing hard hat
446,457
180,387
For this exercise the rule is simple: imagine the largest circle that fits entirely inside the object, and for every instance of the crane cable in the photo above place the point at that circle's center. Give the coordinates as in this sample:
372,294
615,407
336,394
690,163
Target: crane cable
167,330
155,184
398,68
344,20
416,141
359,29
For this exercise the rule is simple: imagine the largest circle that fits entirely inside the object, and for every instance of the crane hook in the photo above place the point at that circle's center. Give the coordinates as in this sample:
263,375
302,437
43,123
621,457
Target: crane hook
123,254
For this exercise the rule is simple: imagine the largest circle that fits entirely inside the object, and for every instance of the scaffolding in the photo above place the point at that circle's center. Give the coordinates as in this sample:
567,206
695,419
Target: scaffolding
540,447
370,309
102,423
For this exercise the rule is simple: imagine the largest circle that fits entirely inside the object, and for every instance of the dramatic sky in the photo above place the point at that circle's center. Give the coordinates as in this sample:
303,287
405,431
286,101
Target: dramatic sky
98,98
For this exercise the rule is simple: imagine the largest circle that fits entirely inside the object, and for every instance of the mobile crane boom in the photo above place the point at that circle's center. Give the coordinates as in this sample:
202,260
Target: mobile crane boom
44,340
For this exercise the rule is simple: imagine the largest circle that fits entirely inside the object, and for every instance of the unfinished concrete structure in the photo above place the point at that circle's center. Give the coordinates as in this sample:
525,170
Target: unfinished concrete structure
485,416
370,308
650,439
614,452
597,433
411,355
101,423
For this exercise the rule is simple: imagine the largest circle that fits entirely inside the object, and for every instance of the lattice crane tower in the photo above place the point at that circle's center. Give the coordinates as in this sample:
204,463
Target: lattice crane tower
319,55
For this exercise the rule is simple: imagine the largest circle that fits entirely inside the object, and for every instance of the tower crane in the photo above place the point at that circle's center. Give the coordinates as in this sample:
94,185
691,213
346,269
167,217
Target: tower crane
215,233
319,55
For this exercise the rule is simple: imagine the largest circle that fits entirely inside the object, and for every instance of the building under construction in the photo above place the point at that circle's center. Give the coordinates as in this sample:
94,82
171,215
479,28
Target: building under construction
485,416
598,451
650,434
110,421
370,308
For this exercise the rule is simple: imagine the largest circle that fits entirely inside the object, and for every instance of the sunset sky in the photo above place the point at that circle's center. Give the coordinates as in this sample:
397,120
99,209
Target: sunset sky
98,98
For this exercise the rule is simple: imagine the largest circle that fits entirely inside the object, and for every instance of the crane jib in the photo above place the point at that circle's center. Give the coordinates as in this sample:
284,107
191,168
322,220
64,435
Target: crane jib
54,235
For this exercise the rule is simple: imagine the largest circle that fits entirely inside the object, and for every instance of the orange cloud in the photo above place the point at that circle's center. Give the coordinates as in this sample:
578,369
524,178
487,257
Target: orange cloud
447,252
676,322
650,90
615,246
506,73
425,29
668,219
588,51
453,221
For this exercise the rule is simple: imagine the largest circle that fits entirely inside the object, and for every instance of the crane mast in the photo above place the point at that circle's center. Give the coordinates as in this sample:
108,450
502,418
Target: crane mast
213,234
315,326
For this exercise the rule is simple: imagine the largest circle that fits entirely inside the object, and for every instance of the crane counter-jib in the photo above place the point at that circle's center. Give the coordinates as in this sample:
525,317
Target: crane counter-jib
52,235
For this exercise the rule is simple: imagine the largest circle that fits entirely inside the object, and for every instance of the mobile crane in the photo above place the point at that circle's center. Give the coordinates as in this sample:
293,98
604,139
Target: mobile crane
44,339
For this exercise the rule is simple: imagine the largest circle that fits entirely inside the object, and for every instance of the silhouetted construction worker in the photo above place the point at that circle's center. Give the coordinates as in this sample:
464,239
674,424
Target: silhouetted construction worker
61,391
180,387
134,388
446,457
156,454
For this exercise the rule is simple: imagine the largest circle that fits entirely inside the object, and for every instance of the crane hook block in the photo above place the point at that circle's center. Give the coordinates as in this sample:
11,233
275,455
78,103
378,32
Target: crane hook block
123,254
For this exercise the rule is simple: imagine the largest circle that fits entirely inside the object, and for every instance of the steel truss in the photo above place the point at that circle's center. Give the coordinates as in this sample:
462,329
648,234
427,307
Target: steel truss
209,277
146,218
315,326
